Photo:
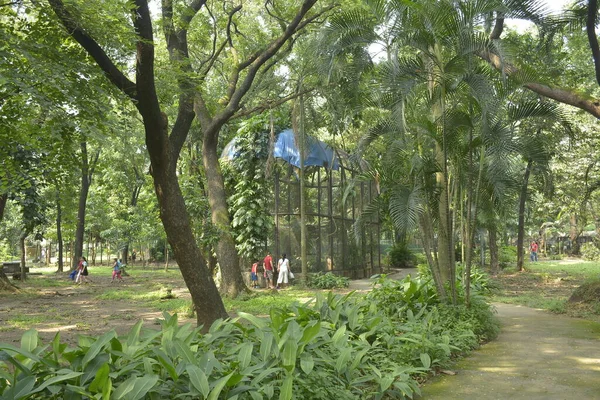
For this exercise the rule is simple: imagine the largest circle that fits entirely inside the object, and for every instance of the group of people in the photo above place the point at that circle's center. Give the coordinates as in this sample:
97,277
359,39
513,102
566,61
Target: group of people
284,273
81,274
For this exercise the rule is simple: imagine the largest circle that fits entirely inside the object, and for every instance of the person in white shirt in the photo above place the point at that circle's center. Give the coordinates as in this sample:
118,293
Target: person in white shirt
283,269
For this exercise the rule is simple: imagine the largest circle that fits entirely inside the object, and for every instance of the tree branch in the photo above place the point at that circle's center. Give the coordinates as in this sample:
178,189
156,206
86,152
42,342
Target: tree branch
269,105
178,52
591,106
94,50
592,38
498,26
254,66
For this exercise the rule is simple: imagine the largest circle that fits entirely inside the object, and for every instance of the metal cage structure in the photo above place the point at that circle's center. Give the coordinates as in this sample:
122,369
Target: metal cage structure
333,203
332,244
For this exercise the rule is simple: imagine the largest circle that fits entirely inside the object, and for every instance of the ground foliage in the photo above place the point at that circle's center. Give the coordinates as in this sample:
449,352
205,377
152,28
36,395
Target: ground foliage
327,280
550,284
339,346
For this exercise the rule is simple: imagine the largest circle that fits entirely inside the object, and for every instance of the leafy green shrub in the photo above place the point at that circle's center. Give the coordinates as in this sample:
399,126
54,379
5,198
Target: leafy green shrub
396,297
424,271
480,280
343,347
507,256
400,256
327,280
420,258
590,252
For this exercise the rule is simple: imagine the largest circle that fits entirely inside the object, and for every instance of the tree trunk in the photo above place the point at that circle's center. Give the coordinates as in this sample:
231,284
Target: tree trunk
494,259
86,181
173,214
300,137
3,199
574,234
132,203
428,247
5,284
445,247
166,256
59,237
23,256
232,283
521,223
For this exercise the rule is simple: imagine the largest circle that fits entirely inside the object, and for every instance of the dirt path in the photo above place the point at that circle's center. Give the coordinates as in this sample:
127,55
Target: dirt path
537,356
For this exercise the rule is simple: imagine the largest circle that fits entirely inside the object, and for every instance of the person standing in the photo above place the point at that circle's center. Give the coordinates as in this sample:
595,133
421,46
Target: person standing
254,275
283,270
268,267
533,248
116,271
82,276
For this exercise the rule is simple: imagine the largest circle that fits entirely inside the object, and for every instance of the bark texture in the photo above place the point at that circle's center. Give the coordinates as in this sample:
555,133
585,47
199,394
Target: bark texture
232,282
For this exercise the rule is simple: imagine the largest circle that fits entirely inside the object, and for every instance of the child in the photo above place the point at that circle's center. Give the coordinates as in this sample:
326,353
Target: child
254,275
116,271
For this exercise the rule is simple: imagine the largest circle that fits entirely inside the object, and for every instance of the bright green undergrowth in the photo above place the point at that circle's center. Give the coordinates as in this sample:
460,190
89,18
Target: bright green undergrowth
531,287
261,302
338,346
328,280
536,300
584,269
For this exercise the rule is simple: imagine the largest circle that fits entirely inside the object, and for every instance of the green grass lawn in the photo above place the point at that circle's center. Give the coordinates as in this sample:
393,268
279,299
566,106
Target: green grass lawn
548,285
149,288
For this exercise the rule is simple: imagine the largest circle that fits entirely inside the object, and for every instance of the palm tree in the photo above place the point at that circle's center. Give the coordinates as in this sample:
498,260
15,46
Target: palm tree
442,117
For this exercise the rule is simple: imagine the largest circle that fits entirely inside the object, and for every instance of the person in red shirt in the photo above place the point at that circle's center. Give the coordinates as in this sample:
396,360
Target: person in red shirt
533,247
268,267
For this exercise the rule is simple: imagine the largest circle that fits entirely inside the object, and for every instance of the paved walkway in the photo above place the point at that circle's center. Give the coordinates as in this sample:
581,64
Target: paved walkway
538,356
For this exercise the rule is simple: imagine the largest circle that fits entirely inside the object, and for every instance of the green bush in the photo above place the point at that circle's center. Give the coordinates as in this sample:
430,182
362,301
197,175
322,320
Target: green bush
480,280
343,347
590,252
400,256
507,256
420,258
395,297
327,280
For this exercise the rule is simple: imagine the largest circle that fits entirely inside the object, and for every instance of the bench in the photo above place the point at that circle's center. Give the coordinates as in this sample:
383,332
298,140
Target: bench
14,268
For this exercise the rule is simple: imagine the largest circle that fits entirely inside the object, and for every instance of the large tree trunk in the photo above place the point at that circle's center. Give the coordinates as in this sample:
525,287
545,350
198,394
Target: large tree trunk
493,239
232,283
173,214
521,223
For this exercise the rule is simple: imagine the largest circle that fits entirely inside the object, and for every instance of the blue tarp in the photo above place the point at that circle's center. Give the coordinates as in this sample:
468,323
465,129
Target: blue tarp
318,154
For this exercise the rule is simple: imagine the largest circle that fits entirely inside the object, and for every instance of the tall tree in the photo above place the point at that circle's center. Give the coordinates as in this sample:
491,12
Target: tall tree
164,141
88,166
